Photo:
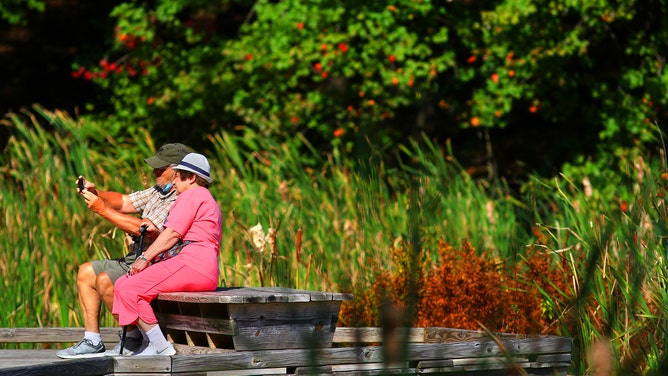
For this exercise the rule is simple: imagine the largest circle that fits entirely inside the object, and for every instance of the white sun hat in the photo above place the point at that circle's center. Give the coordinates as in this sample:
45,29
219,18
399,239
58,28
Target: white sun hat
196,163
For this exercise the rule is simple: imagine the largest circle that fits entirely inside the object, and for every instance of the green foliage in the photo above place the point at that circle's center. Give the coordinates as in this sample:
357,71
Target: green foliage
561,58
341,72
163,69
15,11
338,65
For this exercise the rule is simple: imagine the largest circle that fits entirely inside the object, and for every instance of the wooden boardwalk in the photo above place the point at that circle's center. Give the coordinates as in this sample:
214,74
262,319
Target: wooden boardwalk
355,351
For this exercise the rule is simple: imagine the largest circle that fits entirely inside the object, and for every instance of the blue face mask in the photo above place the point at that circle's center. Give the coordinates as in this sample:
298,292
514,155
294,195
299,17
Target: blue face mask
166,188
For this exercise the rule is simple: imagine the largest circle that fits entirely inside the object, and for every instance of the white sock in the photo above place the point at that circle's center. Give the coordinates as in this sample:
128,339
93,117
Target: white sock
93,337
156,337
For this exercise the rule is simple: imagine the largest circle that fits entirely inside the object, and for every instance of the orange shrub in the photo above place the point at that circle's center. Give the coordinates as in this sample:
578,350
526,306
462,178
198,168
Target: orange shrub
463,290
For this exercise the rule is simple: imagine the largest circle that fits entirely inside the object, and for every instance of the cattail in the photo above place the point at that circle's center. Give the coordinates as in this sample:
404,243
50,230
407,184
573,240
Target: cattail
298,246
271,239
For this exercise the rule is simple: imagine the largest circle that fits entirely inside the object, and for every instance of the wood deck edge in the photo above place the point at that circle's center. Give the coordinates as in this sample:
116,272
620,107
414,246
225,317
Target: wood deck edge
341,335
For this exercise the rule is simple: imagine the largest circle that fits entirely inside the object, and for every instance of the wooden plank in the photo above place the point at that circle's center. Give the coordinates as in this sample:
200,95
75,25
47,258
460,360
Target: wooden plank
322,370
218,296
369,366
441,363
284,325
283,313
12,358
368,354
289,336
45,362
342,296
240,295
282,294
492,369
194,323
249,372
496,366
53,335
142,364
342,335
549,364
488,360
377,372
295,295
182,349
563,358
461,371
527,369
442,335
375,335
473,363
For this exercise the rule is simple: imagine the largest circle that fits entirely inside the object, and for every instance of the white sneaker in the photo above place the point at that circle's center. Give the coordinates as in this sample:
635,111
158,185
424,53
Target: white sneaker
151,350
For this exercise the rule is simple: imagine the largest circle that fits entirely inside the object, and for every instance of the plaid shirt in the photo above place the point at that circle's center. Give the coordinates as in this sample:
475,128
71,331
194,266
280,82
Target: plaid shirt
154,206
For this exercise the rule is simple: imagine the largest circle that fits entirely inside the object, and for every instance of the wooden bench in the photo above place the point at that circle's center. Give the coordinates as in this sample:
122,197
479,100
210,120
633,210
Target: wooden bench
250,318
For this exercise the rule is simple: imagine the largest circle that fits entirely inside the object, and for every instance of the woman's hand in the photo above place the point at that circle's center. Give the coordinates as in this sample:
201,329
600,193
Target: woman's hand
140,264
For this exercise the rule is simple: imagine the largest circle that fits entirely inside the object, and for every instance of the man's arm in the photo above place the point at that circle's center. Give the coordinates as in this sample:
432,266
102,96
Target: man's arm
98,204
117,201
114,200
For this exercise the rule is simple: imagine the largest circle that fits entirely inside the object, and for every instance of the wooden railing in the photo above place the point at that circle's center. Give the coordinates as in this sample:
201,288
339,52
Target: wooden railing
342,335
404,351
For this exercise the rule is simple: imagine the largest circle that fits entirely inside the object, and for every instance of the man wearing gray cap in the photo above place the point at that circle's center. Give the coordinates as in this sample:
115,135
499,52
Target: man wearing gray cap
95,279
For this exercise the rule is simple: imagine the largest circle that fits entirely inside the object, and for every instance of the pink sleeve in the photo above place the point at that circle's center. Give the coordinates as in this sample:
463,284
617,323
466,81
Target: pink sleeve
182,214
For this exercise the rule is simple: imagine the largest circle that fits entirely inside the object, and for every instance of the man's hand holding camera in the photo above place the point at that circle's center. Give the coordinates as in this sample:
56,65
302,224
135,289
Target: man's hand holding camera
90,195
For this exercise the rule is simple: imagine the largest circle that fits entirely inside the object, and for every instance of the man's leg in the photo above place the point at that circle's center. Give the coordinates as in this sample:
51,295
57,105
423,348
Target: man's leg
89,298
105,288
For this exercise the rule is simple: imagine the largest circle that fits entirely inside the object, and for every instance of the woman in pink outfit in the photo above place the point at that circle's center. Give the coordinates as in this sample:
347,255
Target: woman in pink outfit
196,221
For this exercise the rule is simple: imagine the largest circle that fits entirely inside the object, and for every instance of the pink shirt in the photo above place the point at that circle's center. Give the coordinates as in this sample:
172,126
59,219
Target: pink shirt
196,217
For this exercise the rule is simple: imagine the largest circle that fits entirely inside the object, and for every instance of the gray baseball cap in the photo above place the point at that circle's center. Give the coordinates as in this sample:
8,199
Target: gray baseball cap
168,154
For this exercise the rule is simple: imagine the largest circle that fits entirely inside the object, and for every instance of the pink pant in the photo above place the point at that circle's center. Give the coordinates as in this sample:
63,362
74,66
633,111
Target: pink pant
133,294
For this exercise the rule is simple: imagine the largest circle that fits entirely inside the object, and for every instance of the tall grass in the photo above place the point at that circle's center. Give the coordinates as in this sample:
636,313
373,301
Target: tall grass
617,255
330,227
46,231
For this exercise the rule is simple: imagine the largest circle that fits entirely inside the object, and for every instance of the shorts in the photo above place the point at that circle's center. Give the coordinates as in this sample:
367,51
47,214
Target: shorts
114,268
